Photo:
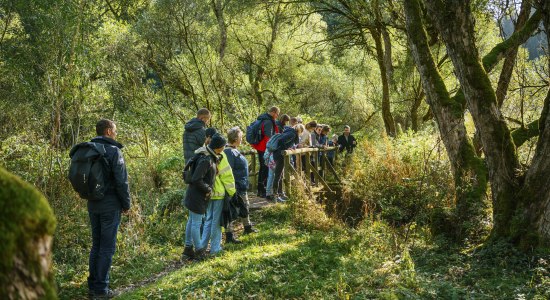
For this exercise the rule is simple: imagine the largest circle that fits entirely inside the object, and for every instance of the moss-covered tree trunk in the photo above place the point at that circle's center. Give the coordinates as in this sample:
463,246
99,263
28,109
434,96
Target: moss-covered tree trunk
27,225
468,169
511,55
455,23
418,97
536,192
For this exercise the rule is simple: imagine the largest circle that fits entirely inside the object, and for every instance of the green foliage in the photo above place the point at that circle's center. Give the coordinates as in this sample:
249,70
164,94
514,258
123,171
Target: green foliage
307,212
170,201
402,180
149,65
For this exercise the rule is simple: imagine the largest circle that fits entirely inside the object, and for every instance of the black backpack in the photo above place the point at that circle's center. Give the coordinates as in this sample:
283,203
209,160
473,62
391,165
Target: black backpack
88,172
189,168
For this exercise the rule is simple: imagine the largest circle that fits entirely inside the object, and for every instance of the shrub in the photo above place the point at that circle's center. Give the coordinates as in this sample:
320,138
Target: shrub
307,212
402,180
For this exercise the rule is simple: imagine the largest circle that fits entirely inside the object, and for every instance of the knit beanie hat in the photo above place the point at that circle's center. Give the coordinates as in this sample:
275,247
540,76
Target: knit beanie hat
211,131
217,141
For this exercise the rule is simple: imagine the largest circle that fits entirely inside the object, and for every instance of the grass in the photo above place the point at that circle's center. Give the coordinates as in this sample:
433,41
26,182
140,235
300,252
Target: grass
289,261
301,253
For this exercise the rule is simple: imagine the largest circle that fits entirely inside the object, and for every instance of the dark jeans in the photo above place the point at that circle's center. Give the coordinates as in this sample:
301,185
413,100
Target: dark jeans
104,230
279,166
262,174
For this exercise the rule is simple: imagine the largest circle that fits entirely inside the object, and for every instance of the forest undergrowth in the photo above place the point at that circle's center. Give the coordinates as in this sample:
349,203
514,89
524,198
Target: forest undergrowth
373,240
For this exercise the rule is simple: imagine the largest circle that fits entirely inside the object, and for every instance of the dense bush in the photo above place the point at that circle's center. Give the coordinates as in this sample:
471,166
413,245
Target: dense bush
397,181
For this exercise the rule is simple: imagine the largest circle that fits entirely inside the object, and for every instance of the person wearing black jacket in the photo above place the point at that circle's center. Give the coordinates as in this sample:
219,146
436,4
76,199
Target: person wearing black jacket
105,213
194,135
197,196
347,141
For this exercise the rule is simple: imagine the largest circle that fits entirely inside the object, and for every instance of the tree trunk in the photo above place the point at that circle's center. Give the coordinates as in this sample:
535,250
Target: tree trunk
275,22
536,192
455,24
468,170
218,7
387,54
418,97
386,110
511,55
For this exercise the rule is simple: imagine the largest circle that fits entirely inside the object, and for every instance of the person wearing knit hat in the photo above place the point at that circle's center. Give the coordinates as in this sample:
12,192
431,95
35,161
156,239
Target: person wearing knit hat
223,183
217,142
198,195
210,132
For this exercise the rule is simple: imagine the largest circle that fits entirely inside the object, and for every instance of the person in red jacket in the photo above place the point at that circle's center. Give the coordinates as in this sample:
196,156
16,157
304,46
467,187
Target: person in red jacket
269,128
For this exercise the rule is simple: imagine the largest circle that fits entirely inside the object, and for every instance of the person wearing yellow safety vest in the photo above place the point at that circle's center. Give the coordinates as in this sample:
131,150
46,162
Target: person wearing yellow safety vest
224,182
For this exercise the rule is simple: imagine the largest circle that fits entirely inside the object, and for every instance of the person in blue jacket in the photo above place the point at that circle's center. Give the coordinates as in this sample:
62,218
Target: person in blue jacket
239,165
105,214
288,140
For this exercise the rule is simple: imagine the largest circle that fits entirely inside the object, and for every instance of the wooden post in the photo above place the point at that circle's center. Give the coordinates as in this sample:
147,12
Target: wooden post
324,163
308,164
320,179
253,173
316,160
287,170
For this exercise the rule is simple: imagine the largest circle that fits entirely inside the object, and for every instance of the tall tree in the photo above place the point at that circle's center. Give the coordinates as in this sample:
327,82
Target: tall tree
468,170
355,21
454,21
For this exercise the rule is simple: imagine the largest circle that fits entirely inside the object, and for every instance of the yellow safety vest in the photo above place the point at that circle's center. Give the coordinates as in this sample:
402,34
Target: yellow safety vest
224,180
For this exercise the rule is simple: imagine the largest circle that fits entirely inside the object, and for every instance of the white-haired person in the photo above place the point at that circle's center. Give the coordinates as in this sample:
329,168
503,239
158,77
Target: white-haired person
239,165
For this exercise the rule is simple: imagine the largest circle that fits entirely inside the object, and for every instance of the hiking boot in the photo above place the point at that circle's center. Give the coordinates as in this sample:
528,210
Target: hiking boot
188,253
272,198
248,229
200,254
92,295
280,200
284,197
231,238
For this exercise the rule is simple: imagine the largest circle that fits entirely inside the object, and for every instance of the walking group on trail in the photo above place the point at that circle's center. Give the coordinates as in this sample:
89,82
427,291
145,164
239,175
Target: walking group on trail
215,171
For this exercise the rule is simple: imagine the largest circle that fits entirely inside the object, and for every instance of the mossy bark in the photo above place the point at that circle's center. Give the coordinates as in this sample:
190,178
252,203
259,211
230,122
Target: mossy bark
469,170
535,217
27,225
504,49
455,23
511,55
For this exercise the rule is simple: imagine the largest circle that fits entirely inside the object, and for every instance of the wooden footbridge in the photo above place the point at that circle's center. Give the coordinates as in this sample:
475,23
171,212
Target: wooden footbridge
309,167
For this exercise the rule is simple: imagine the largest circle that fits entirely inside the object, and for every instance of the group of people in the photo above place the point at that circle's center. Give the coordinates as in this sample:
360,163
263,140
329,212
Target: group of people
218,170
293,134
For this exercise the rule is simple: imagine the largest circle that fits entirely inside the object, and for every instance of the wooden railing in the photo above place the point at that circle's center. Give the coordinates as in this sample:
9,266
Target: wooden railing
304,162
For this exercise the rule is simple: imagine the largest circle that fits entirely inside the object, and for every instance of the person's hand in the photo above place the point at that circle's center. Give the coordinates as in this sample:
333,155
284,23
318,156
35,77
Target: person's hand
126,211
354,142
